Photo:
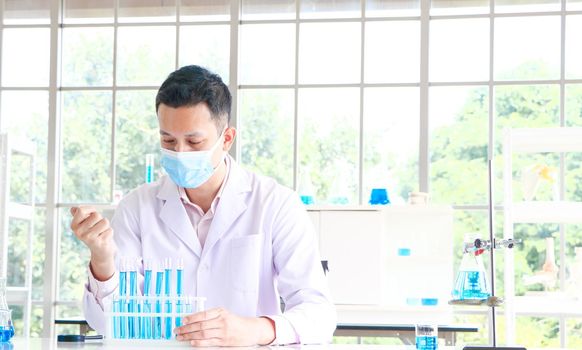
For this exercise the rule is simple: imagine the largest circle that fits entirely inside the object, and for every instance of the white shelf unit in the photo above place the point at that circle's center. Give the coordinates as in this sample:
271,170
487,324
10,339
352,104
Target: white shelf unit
529,141
386,260
20,295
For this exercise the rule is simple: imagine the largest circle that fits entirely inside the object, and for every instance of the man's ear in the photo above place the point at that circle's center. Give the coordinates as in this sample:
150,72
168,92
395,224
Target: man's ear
229,136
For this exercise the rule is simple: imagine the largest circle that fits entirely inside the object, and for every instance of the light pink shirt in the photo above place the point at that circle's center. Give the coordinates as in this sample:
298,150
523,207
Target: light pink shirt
200,220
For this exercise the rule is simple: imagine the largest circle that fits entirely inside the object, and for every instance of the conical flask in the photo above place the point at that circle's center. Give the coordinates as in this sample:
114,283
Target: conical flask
306,189
6,327
471,282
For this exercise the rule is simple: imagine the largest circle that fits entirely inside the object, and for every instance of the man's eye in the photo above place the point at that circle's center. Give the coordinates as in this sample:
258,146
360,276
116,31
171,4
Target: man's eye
194,142
168,141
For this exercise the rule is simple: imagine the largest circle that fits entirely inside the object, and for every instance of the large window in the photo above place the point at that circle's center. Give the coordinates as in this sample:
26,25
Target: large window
354,94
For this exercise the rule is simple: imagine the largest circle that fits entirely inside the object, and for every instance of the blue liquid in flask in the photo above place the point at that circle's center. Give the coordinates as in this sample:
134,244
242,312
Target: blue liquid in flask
426,342
471,282
470,285
6,333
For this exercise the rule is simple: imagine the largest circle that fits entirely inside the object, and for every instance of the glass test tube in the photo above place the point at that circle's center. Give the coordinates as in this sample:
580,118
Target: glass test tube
146,322
149,175
122,307
158,306
179,289
167,291
116,323
133,305
199,304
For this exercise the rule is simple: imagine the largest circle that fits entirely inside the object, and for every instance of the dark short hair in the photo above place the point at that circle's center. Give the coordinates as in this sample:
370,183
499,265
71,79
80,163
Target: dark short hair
191,85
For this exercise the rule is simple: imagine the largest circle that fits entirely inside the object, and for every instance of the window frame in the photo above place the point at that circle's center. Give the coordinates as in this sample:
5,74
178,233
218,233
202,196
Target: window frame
53,202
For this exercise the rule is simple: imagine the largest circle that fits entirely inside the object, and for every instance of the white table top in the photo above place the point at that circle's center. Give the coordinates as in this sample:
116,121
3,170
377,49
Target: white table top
49,344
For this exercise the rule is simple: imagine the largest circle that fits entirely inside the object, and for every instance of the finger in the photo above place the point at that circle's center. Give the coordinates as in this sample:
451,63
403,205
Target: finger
200,326
80,215
87,231
202,335
203,315
100,227
94,235
107,234
92,220
207,342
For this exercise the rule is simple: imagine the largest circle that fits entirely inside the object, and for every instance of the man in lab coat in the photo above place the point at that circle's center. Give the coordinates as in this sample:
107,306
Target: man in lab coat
245,240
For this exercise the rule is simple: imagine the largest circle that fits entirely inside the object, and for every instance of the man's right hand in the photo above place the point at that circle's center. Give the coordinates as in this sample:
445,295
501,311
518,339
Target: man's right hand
94,230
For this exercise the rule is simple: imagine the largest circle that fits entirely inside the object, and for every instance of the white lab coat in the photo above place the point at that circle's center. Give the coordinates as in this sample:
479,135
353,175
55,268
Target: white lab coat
261,245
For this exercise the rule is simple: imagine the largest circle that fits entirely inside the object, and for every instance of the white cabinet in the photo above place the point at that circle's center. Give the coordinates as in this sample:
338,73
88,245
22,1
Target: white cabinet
419,255
351,243
528,141
395,258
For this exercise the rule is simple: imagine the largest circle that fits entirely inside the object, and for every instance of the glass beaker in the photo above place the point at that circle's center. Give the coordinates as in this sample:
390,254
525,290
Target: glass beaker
426,336
471,282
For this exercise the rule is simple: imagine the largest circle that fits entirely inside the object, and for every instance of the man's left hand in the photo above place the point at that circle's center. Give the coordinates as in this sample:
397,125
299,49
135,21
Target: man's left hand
218,327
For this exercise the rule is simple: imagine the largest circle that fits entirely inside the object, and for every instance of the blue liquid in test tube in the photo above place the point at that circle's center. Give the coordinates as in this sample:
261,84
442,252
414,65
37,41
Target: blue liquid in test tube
149,175
116,322
179,290
133,307
157,319
122,301
167,289
146,322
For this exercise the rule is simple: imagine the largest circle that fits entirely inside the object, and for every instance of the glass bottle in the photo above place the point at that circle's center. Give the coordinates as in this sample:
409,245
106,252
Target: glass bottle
306,190
6,327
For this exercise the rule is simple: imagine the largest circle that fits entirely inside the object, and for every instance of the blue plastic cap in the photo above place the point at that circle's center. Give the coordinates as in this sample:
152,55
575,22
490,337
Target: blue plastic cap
403,251
379,196
429,301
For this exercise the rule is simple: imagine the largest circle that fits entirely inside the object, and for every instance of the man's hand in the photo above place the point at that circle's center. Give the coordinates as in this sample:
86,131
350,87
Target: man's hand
218,327
94,230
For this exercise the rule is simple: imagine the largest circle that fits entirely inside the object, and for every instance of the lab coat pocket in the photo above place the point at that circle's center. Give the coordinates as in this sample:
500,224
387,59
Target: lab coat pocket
245,255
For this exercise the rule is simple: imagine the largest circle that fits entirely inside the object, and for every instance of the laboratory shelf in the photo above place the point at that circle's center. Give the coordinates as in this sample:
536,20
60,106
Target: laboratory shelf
20,211
434,209
547,305
9,210
491,301
442,313
541,140
547,212
17,295
538,140
343,207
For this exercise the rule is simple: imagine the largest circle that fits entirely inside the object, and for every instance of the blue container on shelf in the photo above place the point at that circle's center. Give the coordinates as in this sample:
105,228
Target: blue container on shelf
379,196
307,200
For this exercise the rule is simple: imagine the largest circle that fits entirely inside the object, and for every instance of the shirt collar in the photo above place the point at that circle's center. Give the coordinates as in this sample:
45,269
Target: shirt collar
186,200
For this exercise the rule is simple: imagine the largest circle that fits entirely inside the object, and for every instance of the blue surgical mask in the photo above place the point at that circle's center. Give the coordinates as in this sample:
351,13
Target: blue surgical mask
189,169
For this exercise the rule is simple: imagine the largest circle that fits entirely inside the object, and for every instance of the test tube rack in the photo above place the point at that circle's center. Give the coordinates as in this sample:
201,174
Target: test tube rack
148,319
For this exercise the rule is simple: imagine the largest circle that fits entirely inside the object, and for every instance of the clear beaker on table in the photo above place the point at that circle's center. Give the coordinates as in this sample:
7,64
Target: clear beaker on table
426,336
